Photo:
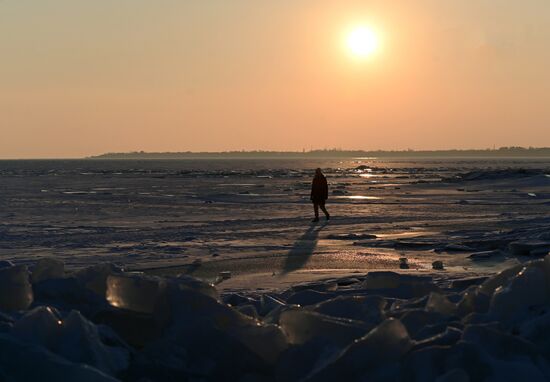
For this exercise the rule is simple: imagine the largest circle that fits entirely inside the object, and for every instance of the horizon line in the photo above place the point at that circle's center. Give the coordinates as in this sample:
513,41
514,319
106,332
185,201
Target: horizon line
303,152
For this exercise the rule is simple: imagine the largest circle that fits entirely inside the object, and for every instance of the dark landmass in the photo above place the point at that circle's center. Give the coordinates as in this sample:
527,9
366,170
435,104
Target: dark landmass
503,152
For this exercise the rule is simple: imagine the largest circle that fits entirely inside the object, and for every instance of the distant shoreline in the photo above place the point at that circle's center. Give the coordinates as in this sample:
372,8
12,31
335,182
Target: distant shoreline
504,152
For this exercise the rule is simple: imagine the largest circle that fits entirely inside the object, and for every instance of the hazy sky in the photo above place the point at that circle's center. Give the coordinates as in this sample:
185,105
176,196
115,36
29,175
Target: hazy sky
86,77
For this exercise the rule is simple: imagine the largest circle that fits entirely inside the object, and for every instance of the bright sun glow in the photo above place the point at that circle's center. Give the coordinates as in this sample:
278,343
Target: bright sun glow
362,42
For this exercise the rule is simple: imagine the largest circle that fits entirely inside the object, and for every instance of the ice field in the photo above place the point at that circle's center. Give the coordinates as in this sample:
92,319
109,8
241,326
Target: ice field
252,217
429,270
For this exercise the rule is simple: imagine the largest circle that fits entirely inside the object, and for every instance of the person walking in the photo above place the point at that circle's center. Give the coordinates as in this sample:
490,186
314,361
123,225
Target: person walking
319,194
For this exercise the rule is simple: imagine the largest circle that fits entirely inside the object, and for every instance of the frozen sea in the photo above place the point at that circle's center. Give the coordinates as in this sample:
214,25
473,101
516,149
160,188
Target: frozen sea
252,217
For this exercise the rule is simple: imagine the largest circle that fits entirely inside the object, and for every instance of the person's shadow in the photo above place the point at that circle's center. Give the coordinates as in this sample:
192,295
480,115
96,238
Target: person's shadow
302,248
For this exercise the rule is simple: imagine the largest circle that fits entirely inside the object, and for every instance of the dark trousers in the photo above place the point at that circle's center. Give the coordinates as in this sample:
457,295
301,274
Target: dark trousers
319,204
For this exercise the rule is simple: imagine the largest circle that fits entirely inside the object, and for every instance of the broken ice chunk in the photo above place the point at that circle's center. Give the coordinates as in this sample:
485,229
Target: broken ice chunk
440,304
351,236
46,269
267,341
6,264
454,375
309,297
382,280
399,285
22,361
16,288
301,326
488,287
188,282
269,303
80,342
249,310
362,308
466,282
94,278
524,248
196,316
541,251
418,319
455,248
537,330
484,254
526,289
386,343
135,292
74,338
473,301
40,325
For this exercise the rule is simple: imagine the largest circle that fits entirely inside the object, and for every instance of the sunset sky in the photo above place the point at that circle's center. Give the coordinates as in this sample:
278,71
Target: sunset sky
79,78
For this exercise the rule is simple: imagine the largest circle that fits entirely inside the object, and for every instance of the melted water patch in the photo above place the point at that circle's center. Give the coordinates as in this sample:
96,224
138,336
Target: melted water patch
357,197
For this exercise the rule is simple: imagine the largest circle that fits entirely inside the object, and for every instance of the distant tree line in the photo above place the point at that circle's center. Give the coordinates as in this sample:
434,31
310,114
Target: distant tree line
502,152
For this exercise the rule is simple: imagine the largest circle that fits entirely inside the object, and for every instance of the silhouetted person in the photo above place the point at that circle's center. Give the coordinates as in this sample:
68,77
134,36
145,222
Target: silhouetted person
319,194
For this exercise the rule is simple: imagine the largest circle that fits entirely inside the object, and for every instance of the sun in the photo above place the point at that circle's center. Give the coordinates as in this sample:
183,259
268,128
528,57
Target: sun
362,42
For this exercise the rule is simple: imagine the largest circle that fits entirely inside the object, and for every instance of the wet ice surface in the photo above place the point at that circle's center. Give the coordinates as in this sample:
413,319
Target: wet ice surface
252,217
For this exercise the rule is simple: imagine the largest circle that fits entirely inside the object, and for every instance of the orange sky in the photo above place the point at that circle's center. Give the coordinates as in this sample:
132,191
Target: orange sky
82,78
